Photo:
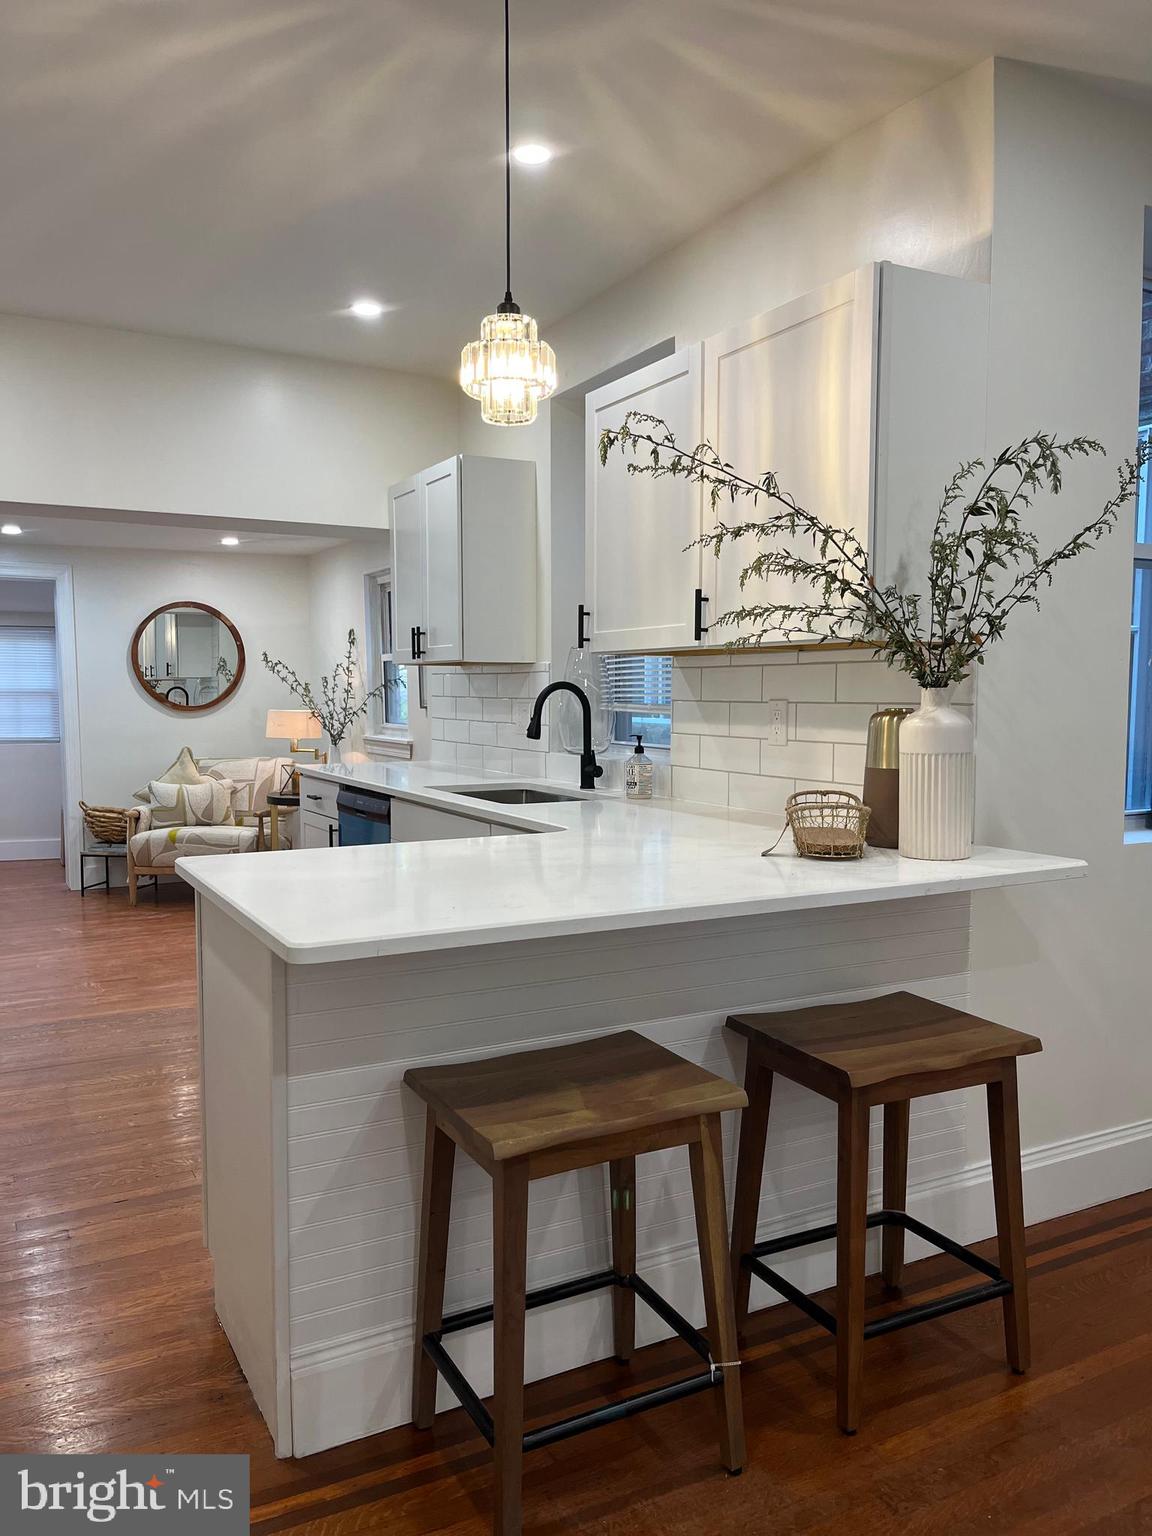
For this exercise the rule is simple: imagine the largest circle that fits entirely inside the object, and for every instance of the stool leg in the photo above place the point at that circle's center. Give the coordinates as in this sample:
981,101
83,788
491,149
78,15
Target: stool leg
707,1159
510,1236
435,1213
749,1176
896,1118
851,1243
622,1177
1004,1138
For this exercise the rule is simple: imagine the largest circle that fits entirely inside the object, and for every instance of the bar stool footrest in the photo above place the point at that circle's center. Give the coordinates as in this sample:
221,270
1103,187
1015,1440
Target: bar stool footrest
921,1312
563,1429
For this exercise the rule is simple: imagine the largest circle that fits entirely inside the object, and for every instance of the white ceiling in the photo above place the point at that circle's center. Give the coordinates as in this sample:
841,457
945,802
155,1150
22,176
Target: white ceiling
239,169
40,528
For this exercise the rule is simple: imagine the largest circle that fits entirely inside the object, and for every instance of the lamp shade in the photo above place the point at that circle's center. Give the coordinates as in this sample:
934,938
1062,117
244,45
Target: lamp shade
292,725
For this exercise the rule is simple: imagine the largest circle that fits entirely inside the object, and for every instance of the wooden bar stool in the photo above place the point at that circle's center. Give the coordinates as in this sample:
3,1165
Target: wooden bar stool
526,1116
887,1051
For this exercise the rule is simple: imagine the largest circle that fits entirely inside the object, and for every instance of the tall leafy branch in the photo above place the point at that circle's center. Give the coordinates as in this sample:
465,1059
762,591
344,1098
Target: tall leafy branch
984,561
337,707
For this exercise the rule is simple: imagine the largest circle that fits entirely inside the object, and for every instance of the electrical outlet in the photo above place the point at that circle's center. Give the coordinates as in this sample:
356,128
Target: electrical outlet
778,722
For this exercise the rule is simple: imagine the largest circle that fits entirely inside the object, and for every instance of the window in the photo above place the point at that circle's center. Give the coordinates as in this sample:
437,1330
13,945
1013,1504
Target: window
29,692
392,715
395,678
638,695
1138,789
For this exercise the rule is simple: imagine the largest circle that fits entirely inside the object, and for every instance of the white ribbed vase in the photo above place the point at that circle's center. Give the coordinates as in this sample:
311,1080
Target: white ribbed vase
937,779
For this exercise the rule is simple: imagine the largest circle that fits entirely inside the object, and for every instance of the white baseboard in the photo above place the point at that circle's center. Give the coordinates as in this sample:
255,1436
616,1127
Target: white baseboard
13,848
360,1386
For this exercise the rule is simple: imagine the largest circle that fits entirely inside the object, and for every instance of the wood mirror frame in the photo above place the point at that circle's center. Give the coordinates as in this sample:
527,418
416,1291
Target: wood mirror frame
159,698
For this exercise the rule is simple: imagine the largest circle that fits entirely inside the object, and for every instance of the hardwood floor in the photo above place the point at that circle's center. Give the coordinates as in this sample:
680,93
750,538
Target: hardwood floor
110,1343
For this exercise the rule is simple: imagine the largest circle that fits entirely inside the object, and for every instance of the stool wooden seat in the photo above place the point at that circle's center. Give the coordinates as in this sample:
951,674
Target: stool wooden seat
886,1050
535,1113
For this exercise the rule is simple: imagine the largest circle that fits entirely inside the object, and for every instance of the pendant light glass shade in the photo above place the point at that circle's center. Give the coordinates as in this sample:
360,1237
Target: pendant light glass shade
509,370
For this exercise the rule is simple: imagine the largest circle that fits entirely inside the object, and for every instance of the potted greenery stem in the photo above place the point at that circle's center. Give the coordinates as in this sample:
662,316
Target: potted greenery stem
338,705
984,562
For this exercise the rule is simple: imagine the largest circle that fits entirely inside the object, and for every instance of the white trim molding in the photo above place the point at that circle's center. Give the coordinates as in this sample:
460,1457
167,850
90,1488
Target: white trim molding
357,1386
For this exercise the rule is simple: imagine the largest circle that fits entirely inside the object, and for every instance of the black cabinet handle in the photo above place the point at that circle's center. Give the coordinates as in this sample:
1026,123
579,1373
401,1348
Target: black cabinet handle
418,647
313,797
582,639
331,834
412,642
699,628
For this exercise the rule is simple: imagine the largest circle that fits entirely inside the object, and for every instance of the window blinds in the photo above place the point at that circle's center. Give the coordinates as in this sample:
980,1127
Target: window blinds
29,693
636,682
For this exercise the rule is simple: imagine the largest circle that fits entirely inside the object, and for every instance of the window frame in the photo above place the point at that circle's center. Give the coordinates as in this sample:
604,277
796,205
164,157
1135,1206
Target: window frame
1139,817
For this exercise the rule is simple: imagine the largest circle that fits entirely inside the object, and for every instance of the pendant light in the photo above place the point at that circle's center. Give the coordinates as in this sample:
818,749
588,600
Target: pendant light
509,370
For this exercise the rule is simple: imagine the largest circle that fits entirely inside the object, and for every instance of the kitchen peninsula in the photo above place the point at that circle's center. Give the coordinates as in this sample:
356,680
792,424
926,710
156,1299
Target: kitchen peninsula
324,974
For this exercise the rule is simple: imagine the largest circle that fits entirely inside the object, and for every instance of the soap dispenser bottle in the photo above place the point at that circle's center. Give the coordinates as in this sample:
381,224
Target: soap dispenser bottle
638,774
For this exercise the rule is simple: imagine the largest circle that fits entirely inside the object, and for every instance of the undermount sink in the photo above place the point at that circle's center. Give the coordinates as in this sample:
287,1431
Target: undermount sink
514,794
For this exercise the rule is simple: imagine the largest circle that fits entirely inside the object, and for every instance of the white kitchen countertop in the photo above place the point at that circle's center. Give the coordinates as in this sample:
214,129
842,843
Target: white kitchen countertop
596,863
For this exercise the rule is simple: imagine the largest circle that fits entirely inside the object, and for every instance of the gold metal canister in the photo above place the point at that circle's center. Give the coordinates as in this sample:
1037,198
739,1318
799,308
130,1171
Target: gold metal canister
882,777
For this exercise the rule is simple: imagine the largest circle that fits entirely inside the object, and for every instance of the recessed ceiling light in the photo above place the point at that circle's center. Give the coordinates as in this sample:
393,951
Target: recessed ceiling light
366,309
532,154
11,528
231,540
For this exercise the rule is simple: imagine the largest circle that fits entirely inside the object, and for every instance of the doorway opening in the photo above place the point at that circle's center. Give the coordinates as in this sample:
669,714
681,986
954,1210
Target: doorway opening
31,760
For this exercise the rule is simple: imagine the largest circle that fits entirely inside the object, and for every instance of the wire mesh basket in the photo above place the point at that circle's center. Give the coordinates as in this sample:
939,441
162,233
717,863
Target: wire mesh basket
827,823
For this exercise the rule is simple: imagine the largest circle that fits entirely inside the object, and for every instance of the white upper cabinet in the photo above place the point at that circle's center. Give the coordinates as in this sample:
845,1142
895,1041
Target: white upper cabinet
464,562
443,623
792,391
641,580
862,397
406,520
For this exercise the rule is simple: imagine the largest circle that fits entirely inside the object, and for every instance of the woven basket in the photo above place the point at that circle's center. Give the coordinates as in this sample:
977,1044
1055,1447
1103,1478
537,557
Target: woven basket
827,823
107,823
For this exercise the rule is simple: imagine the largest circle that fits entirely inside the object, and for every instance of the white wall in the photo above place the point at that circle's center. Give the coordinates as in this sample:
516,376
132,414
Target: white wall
31,788
1073,176
914,188
94,417
125,736
336,586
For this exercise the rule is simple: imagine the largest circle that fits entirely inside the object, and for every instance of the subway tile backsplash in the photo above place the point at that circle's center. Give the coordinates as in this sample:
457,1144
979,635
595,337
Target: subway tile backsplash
477,717
722,753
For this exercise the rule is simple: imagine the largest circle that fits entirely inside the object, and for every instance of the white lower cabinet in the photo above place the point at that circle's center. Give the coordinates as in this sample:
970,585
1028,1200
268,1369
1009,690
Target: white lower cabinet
317,831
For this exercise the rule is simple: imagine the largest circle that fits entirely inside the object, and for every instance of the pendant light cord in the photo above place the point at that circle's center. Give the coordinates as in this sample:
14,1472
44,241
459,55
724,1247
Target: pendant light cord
507,160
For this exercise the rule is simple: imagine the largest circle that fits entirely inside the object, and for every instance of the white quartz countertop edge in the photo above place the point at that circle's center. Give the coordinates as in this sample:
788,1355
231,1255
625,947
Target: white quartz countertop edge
591,864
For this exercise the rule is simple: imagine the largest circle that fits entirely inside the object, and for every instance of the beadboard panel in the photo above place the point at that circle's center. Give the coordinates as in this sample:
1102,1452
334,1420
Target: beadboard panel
355,1135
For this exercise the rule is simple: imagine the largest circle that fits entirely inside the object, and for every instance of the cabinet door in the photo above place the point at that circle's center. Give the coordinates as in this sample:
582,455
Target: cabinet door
406,520
440,495
792,391
641,580
318,831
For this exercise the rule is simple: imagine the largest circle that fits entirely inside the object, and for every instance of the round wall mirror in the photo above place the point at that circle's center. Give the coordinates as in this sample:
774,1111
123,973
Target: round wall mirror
188,656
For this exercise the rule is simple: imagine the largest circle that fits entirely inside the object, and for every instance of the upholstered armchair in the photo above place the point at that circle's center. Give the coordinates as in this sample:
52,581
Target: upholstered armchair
153,850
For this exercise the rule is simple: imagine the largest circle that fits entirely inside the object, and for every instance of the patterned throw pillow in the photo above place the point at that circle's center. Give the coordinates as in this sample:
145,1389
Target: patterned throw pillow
184,770
207,804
